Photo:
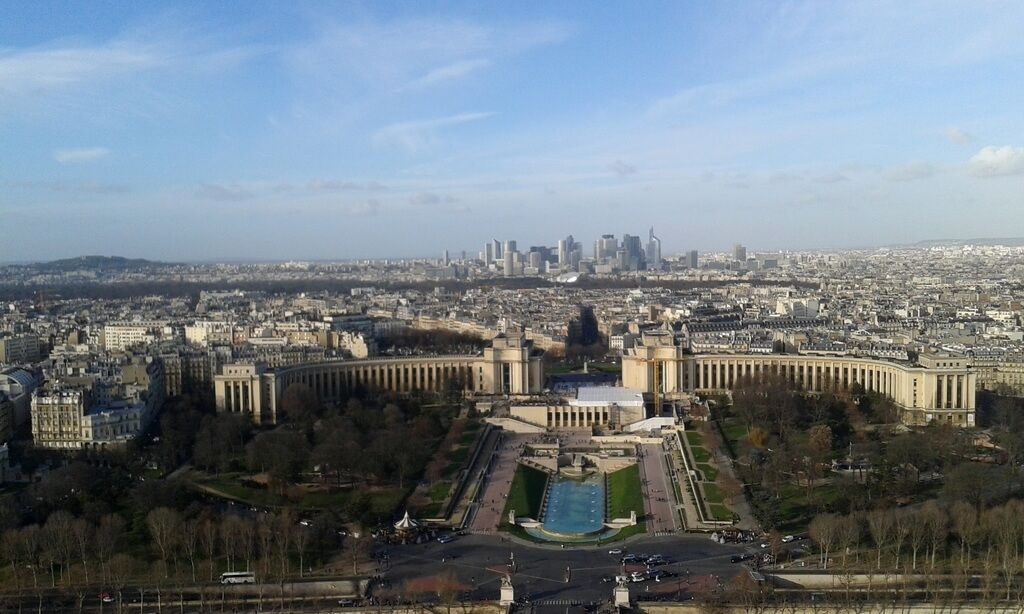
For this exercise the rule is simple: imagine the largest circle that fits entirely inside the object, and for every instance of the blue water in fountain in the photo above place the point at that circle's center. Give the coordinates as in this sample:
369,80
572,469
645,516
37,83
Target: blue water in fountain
575,507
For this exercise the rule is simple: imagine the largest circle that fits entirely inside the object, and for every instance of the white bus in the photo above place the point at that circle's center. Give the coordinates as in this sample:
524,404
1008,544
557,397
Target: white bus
238,577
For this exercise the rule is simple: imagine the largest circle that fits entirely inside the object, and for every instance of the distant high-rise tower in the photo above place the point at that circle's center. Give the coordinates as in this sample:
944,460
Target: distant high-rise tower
498,253
510,246
691,259
565,247
653,250
488,253
634,258
739,253
444,260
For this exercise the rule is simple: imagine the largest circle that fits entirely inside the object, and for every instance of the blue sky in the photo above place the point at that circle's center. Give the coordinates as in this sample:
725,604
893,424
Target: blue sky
270,130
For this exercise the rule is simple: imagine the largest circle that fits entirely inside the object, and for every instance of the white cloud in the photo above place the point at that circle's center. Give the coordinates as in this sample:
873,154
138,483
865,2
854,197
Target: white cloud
910,172
958,136
430,198
85,154
33,71
415,136
994,161
397,51
450,72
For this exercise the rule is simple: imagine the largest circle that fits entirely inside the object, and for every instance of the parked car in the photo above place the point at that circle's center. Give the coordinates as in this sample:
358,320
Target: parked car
787,539
444,539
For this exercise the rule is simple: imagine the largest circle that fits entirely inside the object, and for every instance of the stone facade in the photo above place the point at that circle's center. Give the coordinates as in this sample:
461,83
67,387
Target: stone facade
509,366
936,388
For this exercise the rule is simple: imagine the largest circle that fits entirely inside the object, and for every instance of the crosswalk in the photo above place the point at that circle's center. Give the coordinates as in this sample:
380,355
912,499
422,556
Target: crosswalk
569,602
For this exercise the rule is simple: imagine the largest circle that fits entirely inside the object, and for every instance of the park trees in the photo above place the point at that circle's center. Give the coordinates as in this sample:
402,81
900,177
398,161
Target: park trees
164,526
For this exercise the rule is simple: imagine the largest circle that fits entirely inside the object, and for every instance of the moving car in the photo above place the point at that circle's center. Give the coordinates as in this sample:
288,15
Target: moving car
615,551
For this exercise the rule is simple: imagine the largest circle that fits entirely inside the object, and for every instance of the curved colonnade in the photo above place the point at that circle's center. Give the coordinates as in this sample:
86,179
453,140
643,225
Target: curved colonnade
937,388
509,366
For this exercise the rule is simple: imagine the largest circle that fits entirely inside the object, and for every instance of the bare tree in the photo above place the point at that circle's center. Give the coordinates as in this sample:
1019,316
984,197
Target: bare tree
965,526
247,539
283,540
902,524
230,534
848,534
30,544
189,538
265,537
82,533
823,531
164,525
208,533
122,566
58,540
880,524
917,533
11,544
109,537
937,522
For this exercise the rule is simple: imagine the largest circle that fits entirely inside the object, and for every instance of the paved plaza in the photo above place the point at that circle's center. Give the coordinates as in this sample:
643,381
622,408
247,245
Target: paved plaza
659,501
498,481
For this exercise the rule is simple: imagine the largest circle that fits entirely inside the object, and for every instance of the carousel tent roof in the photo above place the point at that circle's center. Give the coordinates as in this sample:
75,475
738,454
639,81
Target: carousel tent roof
406,522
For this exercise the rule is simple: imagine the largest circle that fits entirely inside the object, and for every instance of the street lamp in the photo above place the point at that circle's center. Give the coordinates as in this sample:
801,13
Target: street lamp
355,550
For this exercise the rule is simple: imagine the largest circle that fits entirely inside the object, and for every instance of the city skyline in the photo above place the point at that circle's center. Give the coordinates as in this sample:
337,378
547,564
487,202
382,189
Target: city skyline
363,131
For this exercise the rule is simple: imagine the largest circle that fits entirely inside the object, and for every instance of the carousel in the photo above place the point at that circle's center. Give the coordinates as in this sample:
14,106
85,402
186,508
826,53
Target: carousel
406,529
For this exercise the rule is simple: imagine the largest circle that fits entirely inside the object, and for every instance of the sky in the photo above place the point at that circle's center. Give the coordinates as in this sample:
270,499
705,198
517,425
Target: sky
336,130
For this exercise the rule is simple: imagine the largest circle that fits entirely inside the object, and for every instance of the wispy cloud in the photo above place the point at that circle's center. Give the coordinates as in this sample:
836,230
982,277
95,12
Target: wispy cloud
334,185
225,192
65,187
958,136
76,156
722,93
413,53
416,136
450,72
431,198
33,71
994,161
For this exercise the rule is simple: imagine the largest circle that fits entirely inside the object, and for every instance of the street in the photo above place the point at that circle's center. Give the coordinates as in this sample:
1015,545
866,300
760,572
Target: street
479,561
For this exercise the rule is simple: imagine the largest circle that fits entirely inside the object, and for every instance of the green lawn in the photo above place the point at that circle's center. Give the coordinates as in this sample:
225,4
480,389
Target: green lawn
713,494
624,492
709,471
526,492
694,438
792,511
438,492
720,512
700,455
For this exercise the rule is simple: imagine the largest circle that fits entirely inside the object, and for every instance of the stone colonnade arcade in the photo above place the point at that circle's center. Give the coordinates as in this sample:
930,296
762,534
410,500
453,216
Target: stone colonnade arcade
936,388
509,366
